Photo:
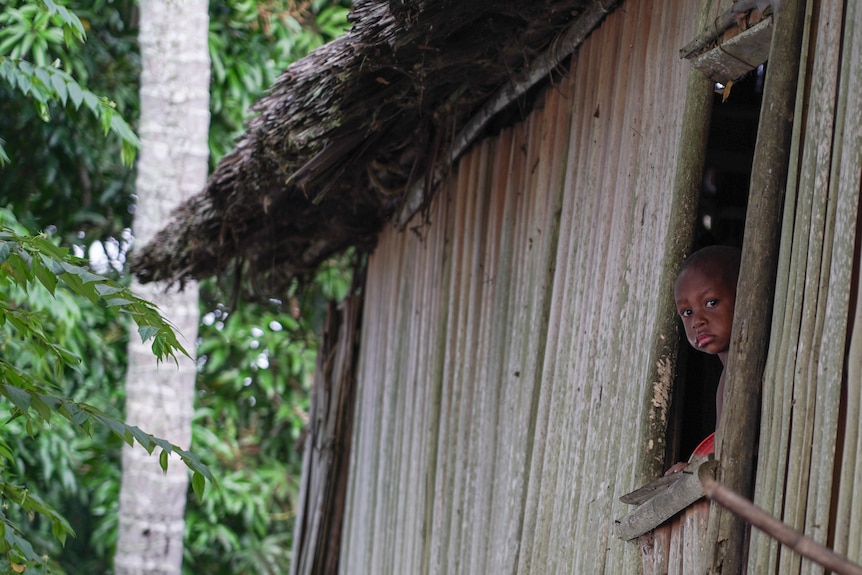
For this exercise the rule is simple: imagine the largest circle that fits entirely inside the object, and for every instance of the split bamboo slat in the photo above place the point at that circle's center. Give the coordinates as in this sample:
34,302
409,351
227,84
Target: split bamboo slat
504,396
676,547
808,456
737,432
848,522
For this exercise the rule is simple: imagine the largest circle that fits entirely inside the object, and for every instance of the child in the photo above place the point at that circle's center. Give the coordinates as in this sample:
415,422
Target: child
705,294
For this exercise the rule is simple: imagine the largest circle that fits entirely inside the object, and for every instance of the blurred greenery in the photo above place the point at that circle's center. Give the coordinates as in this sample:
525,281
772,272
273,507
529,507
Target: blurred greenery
255,366
67,162
67,179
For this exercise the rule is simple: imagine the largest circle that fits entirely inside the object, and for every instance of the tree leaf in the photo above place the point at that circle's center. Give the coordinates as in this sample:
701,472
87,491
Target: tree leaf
106,289
92,102
145,439
147,331
119,428
76,94
59,86
199,484
83,273
164,444
77,285
44,275
19,397
41,407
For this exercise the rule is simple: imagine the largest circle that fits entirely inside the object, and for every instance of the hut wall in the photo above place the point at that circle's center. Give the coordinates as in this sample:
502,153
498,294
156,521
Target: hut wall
504,394
810,440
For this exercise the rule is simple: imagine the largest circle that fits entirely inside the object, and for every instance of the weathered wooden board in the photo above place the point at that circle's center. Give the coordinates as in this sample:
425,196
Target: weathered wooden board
666,502
736,56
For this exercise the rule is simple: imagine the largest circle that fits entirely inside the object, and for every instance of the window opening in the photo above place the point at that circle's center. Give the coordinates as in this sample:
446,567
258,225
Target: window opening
720,221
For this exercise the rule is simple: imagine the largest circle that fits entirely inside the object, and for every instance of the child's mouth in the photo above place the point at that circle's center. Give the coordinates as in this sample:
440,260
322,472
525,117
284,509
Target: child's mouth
703,339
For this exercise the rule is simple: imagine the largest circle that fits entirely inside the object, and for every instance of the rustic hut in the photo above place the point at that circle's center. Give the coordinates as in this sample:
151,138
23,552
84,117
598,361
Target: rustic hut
520,181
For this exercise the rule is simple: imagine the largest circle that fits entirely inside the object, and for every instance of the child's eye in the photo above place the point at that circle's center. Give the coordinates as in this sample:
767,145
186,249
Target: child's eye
711,303
685,313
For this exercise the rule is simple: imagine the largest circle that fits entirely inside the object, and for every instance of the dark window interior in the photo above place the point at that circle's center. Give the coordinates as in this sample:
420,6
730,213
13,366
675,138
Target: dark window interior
721,220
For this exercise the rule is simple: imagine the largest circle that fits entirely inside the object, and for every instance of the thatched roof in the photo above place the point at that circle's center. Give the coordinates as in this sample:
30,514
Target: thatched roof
356,134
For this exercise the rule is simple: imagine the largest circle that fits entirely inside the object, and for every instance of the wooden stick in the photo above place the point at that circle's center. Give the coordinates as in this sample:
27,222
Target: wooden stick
781,532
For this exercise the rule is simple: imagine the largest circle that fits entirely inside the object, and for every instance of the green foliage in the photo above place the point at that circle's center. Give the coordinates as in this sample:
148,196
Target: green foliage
255,365
77,473
30,385
253,377
74,472
37,30
65,173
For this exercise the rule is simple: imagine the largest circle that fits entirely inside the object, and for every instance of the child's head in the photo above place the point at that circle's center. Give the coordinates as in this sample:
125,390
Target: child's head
705,294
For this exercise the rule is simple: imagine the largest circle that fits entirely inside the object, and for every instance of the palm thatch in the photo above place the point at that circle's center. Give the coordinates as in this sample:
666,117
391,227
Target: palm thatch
346,133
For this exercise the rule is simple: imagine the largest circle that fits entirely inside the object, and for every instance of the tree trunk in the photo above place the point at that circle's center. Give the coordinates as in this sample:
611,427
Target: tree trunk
174,129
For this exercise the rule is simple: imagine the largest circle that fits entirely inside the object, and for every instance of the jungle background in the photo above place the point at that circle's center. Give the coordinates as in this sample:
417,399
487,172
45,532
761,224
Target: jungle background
65,178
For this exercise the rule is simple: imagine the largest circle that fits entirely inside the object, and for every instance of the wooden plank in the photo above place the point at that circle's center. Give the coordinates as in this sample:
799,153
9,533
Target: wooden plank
489,360
840,234
674,564
436,318
662,537
737,56
328,445
674,498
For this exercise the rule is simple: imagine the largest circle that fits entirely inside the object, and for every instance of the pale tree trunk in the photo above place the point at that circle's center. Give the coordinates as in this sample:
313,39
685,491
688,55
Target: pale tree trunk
172,166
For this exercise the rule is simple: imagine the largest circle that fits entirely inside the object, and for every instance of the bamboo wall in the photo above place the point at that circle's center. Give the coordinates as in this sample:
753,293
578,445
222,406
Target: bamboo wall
505,388
810,441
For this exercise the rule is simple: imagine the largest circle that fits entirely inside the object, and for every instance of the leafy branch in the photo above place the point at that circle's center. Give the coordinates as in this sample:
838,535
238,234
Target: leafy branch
28,262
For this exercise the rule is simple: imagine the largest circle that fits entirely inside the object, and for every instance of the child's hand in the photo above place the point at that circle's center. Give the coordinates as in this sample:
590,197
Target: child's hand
676,468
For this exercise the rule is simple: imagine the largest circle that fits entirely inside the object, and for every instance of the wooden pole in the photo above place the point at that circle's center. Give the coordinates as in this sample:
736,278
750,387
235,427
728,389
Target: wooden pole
781,532
318,528
736,438
687,180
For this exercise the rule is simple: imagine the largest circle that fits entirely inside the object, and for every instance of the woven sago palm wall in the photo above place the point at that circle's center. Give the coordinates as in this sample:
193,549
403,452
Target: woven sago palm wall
506,392
810,462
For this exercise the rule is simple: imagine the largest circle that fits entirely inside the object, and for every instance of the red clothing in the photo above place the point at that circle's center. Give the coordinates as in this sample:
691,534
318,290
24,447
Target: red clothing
706,447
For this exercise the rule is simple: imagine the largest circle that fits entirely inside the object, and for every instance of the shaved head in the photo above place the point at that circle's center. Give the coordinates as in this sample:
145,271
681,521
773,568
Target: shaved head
721,262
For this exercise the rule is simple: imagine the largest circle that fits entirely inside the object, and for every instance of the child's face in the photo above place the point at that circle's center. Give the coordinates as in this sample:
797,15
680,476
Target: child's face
705,303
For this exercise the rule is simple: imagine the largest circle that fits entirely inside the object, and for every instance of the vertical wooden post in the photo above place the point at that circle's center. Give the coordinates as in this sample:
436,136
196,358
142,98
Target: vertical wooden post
687,181
317,533
686,191
736,439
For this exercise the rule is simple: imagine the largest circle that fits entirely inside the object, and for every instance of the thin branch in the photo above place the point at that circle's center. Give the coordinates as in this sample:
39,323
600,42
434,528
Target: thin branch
781,532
